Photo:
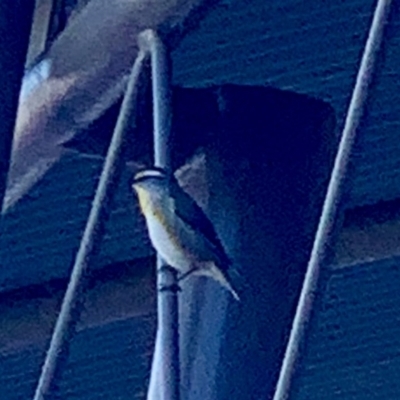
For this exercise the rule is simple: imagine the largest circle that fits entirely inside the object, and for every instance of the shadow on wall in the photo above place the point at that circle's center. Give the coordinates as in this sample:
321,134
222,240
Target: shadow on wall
268,161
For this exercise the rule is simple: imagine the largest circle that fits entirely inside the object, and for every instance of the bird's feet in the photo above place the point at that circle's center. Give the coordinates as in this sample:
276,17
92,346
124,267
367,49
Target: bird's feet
174,288
166,286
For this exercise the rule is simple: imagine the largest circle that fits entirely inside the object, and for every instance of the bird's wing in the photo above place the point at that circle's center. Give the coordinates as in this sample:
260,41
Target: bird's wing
190,212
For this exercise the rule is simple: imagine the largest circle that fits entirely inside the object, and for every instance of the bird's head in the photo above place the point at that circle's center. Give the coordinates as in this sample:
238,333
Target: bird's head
152,181
151,185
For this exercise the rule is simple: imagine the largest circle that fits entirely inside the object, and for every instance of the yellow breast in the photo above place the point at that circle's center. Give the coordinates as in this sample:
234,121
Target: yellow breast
149,208
144,200
159,212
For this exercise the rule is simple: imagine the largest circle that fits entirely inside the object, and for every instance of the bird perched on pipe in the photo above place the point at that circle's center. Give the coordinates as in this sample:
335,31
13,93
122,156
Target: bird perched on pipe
178,228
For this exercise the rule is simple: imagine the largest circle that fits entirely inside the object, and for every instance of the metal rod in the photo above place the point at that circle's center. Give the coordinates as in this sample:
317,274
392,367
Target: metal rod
165,373
161,94
41,25
67,318
333,199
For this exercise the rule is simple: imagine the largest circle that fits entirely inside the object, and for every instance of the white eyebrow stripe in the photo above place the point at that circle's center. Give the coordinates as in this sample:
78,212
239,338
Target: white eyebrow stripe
149,174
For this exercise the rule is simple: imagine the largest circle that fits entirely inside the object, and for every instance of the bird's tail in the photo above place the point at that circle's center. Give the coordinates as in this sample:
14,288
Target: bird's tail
222,277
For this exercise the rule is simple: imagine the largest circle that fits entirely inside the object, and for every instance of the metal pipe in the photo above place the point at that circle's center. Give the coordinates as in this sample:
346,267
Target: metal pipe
165,373
333,199
92,235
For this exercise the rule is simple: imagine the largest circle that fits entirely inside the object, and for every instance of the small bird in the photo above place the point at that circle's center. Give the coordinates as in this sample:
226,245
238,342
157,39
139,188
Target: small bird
178,228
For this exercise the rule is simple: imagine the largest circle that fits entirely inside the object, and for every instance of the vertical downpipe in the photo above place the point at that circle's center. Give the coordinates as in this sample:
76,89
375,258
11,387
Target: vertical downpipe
165,373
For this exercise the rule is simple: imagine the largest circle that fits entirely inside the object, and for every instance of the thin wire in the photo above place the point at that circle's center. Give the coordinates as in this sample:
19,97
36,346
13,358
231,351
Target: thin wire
332,200
67,319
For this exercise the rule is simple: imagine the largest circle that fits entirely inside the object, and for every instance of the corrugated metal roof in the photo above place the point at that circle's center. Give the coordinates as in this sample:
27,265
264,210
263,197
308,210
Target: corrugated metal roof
353,345
312,48
41,235
105,362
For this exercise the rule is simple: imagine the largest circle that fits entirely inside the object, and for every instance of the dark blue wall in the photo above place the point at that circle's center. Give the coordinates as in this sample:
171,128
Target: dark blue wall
352,349
106,362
